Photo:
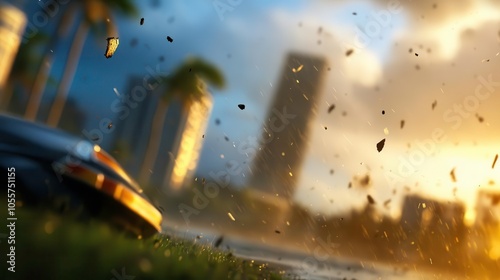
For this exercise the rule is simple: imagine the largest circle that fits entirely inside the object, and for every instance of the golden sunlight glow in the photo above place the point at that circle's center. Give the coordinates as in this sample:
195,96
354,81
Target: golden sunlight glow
494,252
190,142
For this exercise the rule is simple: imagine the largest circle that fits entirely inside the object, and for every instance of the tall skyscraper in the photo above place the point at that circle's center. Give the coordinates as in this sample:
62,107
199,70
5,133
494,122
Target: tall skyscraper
277,164
180,142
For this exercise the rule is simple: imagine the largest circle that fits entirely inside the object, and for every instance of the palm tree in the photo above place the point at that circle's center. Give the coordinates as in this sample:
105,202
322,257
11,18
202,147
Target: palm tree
42,76
22,73
96,13
187,85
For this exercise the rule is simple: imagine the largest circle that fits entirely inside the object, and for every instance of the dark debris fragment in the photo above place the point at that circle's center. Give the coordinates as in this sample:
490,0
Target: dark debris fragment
330,109
452,175
434,104
494,161
218,241
241,106
402,124
380,145
370,199
170,39
349,52
142,21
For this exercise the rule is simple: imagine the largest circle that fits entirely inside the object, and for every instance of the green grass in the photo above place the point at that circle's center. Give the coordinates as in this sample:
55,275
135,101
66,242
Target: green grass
50,246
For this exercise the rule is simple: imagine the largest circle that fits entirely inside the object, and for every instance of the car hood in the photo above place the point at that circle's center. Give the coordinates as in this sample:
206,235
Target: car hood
47,144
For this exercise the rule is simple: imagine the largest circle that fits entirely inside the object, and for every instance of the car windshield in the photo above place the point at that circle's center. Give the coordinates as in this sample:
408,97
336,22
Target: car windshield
333,139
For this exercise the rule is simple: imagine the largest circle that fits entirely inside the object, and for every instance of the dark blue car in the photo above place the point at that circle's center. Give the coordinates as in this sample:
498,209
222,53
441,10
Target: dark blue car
69,174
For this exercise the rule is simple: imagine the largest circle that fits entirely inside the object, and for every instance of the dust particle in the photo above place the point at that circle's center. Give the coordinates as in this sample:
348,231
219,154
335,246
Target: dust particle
452,175
370,199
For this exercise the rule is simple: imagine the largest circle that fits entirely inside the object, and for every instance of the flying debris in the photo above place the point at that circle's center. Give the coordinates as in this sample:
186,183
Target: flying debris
296,70
494,161
402,124
218,241
142,21
370,199
434,104
386,203
452,175
330,109
380,145
349,52
170,39
112,46
241,106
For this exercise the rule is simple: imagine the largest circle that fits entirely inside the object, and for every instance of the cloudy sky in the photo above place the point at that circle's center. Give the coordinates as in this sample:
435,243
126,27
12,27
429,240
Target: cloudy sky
407,56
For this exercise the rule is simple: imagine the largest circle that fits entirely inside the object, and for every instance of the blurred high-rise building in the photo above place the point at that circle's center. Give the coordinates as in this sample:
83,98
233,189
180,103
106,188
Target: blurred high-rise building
487,224
179,144
434,230
12,24
421,214
277,164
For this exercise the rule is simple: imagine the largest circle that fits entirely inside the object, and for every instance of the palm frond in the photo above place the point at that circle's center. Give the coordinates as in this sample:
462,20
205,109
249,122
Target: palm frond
190,80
